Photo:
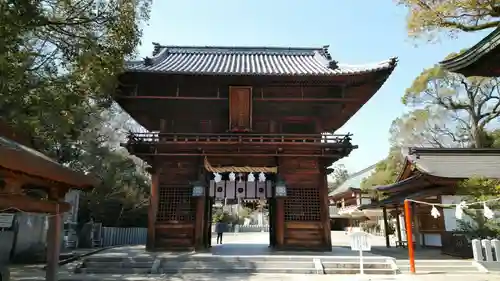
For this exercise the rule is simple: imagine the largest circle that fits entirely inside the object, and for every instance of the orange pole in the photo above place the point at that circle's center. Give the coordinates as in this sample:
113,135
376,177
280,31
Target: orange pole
409,236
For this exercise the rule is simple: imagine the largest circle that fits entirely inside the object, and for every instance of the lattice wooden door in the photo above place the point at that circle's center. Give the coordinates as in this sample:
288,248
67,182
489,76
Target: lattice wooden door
176,204
302,204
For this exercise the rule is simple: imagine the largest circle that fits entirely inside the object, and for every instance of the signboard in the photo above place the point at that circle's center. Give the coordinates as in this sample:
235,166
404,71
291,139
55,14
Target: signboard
360,241
6,220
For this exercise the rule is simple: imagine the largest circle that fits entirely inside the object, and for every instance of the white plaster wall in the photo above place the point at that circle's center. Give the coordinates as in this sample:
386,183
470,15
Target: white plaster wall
450,222
433,239
365,201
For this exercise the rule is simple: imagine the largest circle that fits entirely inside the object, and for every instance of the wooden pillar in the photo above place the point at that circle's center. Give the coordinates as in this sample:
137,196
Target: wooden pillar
386,228
324,209
199,228
152,210
272,222
200,223
54,235
398,225
416,230
280,222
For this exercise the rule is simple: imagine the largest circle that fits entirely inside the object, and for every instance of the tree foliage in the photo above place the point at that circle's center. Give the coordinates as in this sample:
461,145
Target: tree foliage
385,172
59,63
448,110
479,189
427,18
339,176
122,197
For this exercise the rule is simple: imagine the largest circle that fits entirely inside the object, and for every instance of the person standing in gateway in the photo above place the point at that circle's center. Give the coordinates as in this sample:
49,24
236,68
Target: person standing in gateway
220,228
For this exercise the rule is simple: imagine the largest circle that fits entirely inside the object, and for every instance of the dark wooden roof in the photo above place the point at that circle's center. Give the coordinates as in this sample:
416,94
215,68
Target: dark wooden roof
398,199
457,163
19,158
481,59
434,171
260,61
430,164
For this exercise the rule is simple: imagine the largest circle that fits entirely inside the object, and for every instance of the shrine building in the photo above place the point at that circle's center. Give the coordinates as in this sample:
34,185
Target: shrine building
242,122
482,59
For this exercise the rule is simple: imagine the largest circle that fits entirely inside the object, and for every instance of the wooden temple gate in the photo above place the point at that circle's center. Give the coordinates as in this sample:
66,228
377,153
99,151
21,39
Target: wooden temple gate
214,111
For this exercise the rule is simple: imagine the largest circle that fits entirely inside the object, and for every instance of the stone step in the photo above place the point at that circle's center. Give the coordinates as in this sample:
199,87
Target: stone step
219,264
369,271
240,270
95,264
118,270
235,264
236,259
439,266
120,258
347,265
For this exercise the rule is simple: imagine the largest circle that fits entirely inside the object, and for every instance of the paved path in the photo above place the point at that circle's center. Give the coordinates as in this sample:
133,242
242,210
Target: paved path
256,244
267,277
249,244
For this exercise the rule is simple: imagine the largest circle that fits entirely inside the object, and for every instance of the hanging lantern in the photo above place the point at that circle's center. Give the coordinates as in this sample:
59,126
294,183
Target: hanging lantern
217,177
262,177
281,188
232,176
488,213
198,189
251,177
459,211
434,212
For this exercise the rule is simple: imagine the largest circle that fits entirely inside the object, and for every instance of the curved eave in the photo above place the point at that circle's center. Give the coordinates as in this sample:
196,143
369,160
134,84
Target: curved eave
207,61
349,111
409,182
350,71
398,199
460,62
407,169
21,159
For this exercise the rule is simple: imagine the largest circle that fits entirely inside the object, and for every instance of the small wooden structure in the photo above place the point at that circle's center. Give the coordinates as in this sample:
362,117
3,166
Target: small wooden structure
345,200
482,59
32,182
432,175
242,122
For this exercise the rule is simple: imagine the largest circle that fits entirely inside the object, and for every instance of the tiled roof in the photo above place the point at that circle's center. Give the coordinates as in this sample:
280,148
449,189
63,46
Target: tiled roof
473,54
250,61
457,163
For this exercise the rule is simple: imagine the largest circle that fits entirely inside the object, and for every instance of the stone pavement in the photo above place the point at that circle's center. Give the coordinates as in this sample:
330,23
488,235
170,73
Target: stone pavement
250,245
256,243
268,277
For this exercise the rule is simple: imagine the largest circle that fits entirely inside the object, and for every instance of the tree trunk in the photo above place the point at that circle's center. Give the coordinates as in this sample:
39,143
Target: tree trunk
477,135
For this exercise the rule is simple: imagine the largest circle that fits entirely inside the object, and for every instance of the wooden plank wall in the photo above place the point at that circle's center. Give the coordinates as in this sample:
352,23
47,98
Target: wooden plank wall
303,221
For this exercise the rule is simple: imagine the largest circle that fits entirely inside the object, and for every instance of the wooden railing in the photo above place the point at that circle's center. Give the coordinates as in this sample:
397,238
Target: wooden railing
155,137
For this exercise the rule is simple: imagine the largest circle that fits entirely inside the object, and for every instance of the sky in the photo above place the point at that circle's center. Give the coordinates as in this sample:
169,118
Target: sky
357,33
